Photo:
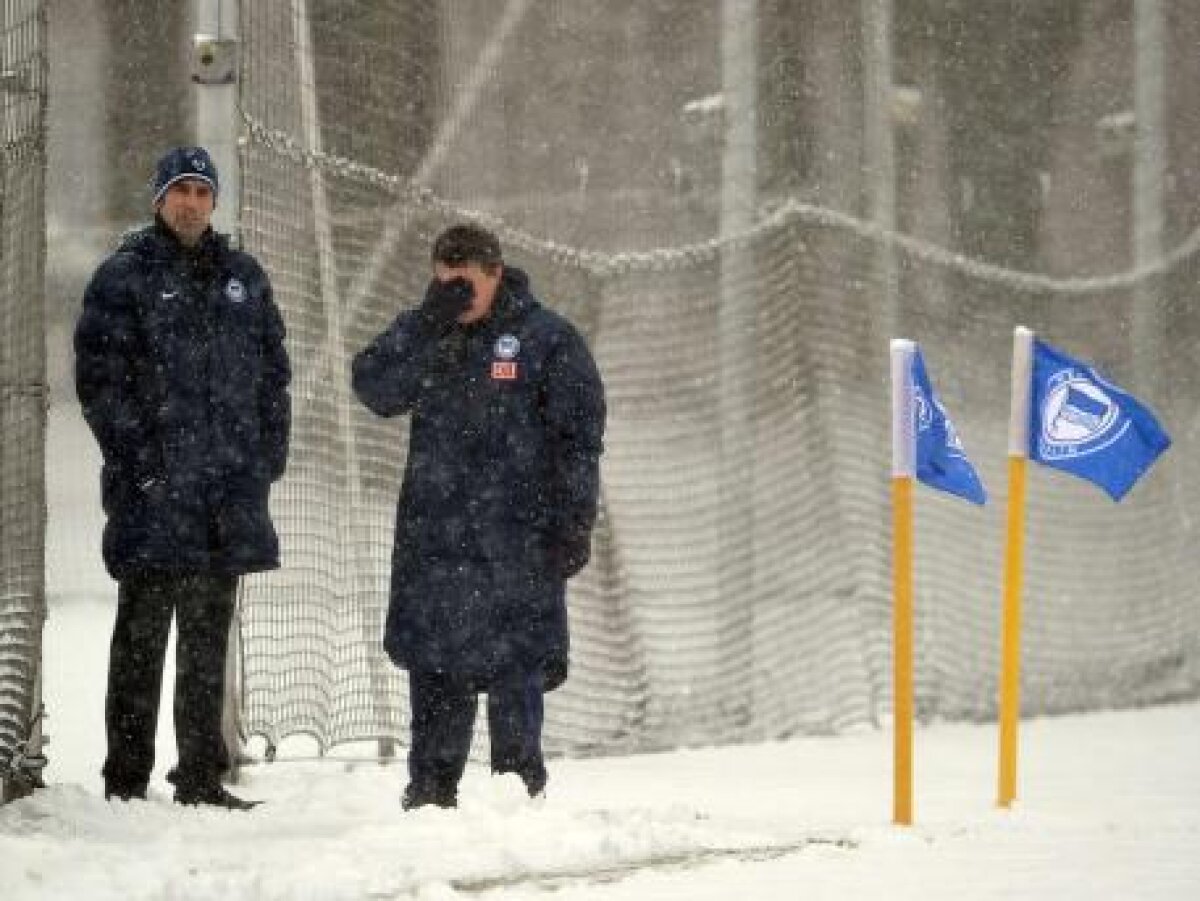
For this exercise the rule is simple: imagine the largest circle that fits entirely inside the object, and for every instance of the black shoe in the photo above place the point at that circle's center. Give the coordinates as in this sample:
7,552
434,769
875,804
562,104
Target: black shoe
212,796
423,794
115,792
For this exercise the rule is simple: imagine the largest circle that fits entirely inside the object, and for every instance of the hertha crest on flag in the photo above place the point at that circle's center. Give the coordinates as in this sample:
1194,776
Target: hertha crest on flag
504,370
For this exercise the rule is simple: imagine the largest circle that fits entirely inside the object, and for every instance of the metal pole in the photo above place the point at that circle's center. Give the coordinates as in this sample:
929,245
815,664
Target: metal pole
737,346
903,474
310,124
1149,166
216,112
879,157
1009,714
216,130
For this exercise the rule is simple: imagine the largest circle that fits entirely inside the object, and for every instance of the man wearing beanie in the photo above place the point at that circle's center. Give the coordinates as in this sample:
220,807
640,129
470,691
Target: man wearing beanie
182,374
496,511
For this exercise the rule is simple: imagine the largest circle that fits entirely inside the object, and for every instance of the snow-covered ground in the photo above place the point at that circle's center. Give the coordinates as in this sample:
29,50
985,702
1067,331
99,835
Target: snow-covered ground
1109,803
1109,809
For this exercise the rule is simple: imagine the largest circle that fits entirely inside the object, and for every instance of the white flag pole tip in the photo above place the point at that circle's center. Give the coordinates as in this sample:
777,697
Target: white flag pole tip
1022,388
903,439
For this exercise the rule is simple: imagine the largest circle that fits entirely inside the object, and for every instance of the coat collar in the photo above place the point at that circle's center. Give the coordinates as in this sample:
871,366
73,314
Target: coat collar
513,298
156,241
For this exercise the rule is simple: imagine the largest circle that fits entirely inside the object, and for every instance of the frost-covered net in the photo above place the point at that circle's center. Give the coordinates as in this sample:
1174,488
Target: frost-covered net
740,583
22,375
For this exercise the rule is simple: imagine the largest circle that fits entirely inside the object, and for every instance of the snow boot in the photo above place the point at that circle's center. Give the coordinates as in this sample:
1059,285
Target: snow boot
211,796
422,793
119,791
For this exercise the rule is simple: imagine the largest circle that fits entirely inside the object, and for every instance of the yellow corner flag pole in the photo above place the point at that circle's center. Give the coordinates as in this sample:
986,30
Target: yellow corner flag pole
903,470
1010,646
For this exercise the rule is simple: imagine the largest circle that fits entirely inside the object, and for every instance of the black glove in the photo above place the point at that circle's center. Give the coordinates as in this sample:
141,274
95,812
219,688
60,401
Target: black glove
554,671
444,302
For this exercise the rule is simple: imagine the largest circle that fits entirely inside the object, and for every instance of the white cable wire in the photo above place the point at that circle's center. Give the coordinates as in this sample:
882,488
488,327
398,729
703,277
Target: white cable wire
670,258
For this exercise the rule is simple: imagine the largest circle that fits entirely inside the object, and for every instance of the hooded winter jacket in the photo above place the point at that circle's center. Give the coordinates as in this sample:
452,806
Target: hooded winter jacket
182,374
501,485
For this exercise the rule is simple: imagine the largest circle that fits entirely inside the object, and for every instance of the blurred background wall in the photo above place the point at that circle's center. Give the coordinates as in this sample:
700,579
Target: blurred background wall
1009,132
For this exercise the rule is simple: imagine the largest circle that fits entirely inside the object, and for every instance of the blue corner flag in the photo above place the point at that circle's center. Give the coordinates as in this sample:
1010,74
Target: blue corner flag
941,461
1082,424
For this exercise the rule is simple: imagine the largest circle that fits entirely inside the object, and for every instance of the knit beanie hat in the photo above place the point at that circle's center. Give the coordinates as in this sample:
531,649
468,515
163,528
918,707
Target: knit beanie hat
184,162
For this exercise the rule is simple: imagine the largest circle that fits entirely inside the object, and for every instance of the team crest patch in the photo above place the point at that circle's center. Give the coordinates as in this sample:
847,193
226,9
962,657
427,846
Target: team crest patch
1077,417
235,291
504,370
507,347
923,410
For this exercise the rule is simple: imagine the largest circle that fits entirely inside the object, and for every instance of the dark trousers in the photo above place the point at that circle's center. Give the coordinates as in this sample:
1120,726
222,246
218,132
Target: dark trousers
203,607
443,718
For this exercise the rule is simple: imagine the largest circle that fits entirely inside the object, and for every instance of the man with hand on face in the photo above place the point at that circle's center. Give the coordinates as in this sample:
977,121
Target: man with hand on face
496,509
182,375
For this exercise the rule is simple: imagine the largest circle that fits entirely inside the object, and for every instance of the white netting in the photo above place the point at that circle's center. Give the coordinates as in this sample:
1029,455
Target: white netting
740,580
22,383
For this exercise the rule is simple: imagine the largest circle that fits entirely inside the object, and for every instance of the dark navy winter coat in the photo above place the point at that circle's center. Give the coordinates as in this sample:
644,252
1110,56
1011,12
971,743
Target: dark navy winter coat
501,486
182,374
